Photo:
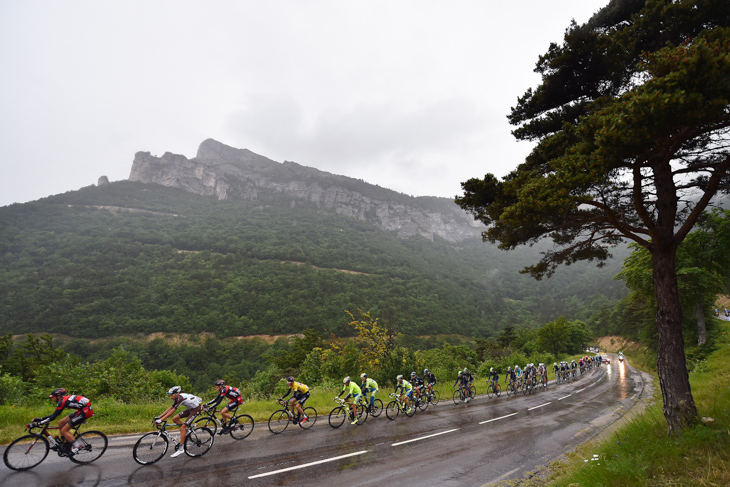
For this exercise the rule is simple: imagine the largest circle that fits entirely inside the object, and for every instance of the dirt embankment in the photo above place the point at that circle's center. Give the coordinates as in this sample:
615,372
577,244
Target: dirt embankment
613,344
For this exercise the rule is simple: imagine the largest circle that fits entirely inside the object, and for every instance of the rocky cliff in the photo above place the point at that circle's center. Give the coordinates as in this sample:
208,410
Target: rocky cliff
225,172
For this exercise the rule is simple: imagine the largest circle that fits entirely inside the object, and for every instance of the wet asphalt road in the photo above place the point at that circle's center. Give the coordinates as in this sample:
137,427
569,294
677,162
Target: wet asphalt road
484,441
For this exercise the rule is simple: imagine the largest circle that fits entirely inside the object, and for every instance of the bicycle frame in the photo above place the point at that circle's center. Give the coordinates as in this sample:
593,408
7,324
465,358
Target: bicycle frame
55,441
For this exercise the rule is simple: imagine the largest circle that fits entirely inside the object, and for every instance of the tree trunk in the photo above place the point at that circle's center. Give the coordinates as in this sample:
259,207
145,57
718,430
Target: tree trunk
701,325
679,405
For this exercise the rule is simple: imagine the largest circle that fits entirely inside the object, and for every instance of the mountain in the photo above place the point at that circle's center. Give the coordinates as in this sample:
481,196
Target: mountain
235,244
224,172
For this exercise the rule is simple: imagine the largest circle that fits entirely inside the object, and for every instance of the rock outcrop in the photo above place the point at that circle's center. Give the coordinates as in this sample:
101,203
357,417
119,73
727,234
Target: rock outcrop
225,172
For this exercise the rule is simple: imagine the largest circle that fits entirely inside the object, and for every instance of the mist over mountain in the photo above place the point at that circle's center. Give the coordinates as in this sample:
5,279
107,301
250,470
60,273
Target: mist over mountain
232,243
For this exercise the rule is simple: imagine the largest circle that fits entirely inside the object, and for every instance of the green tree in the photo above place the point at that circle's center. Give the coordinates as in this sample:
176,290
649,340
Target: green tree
702,270
631,121
553,337
507,336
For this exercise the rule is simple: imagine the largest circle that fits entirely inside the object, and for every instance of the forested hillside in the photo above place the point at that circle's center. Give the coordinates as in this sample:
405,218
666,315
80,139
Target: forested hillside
189,263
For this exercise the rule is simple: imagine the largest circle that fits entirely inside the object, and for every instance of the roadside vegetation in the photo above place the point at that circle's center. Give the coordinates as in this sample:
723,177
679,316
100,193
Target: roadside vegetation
640,453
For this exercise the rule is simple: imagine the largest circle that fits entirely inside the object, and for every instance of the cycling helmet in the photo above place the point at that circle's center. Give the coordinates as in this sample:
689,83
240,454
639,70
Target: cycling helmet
461,373
363,375
491,369
413,374
509,369
555,363
290,379
174,390
466,370
400,377
346,380
425,371
58,392
220,382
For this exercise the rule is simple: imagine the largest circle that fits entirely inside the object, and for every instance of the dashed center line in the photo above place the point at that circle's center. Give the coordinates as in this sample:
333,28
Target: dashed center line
541,405
560,399
495,419
424,437
309,464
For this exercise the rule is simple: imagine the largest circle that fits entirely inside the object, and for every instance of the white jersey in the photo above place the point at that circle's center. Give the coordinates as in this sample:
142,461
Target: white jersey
187,400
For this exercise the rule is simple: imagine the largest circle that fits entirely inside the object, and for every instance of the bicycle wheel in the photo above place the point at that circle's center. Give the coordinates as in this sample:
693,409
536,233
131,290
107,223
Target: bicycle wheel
311,414
26,452
422,402
93,445
473,391
497,390
362,415
458,397
240,426
409,410
392,410
150,448
278,421
207,422
377,408
337,417
435,397
198,441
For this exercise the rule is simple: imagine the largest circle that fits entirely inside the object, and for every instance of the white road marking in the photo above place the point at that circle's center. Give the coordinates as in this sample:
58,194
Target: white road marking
541,405
424,437
495,419
308,464
564,397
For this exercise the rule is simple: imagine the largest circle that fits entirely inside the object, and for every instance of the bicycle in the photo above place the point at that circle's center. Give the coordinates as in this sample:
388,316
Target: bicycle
344,411
280,419
396,406
153,446
239,426
511,387
30,450
373,409
462,394
433,397
420,402
493,389
528,385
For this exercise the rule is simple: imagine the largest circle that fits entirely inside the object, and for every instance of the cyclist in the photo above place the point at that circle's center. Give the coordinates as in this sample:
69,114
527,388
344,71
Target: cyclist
406,390
83,411
369,385
511,378
468,380
542,372
518,372
418,384
300,394
493,377
193,406
556,368
581,365
235,400
573,366
430,381
353,392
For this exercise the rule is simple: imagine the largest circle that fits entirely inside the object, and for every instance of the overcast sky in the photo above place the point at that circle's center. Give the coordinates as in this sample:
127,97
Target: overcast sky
410,95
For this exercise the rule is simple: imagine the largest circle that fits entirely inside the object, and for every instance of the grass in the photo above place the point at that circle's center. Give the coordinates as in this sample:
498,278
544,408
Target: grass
640,453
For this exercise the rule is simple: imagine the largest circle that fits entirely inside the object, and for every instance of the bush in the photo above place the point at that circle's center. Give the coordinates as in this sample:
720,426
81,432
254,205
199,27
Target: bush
12,389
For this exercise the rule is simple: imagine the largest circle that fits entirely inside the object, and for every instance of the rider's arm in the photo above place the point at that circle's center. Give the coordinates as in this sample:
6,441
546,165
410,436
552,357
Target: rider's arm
53,415
214,402
168,412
